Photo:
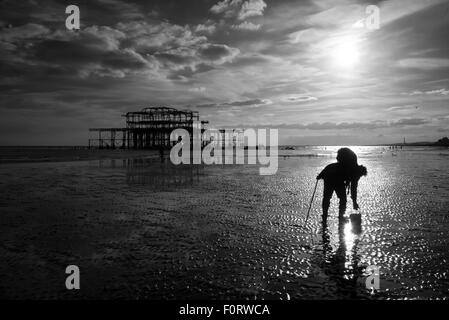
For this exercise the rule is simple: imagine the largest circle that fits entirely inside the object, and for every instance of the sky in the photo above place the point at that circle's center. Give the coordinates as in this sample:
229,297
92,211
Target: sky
316,70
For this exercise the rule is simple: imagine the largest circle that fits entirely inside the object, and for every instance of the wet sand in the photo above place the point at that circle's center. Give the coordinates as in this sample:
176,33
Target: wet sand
143,229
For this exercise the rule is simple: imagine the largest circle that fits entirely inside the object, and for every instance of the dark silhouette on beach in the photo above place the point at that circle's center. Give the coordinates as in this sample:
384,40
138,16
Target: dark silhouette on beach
340,176
343,264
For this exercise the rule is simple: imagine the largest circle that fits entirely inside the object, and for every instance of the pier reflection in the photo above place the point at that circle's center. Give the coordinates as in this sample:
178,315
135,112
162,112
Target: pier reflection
157,174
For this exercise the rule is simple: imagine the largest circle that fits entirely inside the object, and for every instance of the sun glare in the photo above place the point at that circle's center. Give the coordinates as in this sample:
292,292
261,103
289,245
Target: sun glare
346,54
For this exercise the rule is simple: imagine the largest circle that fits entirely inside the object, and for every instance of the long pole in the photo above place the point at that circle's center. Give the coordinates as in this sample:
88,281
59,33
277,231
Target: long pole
311,201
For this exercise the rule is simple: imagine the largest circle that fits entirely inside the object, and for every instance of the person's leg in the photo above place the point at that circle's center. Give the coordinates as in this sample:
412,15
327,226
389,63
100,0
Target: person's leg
340,190
327,195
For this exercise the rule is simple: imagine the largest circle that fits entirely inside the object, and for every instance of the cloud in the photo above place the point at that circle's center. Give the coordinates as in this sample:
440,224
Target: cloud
198,89
92,52
253,102
126,10
424,63
240,103
342,125
239,9
205,28
317,126
306,35
104,36
405,108
157,48
410,122
158,36
226,7
249,26
252,8
218,53
179,52
25,32
441,91
300,98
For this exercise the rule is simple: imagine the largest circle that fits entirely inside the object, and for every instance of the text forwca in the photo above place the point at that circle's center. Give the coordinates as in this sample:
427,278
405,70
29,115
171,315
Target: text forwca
209,147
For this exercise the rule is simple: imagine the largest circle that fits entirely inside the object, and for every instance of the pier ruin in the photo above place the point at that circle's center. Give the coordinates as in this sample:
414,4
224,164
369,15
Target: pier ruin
151,127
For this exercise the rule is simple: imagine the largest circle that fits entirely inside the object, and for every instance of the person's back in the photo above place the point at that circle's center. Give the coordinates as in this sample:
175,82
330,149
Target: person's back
333,173
348,159
337,176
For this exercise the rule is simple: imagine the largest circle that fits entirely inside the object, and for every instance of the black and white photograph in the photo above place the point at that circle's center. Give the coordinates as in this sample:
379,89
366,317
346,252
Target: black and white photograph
216,150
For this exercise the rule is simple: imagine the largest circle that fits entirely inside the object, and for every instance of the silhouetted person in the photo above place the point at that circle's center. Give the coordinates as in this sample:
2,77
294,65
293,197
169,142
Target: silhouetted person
339,176
348,159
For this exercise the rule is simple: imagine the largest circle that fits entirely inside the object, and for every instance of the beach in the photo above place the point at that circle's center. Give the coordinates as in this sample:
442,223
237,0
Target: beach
139,227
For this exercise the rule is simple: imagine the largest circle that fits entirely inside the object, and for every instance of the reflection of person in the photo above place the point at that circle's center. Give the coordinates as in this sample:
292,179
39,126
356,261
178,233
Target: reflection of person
341,175
342,266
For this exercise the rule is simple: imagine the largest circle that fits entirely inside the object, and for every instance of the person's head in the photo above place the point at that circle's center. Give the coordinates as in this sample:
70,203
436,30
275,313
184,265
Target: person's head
346,156
362,171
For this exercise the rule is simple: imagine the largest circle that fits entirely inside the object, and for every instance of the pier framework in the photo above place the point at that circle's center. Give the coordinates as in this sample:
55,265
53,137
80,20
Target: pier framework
149,128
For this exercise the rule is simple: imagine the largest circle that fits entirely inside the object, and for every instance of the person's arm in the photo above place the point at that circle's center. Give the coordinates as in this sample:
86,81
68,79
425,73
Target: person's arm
321,175
354,184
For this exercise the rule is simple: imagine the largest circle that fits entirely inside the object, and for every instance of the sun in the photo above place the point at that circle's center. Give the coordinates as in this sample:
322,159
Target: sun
346,53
